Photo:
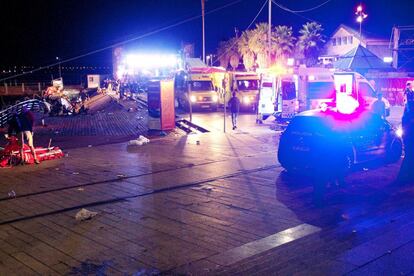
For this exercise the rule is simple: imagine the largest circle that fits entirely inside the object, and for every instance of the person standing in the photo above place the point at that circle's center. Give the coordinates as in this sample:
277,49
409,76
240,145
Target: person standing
408,96
22,126
406,173
234,104
378,107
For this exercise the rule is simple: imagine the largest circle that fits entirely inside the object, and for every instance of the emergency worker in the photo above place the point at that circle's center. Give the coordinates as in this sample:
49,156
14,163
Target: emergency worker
408,95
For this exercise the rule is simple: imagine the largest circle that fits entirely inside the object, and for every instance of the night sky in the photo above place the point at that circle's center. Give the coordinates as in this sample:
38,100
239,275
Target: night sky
35,32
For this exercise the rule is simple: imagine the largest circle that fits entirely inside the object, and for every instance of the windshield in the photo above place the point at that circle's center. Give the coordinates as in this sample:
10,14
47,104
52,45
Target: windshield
247,84
267,84
201,86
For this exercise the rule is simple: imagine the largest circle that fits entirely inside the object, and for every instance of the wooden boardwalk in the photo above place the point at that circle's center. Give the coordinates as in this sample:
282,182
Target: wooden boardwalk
221,205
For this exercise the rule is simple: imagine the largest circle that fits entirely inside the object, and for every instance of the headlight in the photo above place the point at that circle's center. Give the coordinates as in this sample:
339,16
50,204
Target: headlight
215,98
246,99
193,99
399,132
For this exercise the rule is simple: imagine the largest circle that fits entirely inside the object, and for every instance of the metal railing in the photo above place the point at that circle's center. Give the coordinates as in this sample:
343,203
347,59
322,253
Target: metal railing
6,114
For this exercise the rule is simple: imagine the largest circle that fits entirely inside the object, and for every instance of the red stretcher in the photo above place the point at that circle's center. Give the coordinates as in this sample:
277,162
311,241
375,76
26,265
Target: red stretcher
10,155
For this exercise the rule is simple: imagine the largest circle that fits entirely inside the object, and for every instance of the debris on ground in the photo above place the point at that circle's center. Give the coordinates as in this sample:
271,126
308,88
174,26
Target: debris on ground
81,189
139,142
88,267
89,146
75,173
198,143
85,214
12,193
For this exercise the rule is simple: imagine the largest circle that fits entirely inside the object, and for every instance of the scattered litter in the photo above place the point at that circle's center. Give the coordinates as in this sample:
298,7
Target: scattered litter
81,189
67,154
57,169
354,231
90,268
365,169
85,214
198,142
389,251
145,271
130,109
12,193
139,142
121,175
89,146
75,173
110,113
56,132
345,216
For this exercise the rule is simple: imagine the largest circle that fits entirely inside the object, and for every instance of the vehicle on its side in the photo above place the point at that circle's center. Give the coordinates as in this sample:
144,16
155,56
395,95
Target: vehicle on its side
350,138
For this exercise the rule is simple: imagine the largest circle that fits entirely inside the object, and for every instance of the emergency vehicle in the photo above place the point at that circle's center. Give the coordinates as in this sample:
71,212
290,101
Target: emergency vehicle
310,88
246,86
200,86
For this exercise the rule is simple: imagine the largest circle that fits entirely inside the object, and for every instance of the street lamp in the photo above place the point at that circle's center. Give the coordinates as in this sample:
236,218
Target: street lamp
60,71
360,17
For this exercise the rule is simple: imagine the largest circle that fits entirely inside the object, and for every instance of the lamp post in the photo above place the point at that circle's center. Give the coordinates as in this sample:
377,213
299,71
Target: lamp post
204,33
60,70
360,17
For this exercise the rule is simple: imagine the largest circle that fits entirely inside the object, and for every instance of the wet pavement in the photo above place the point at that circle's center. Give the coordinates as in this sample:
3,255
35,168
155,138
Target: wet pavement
214,203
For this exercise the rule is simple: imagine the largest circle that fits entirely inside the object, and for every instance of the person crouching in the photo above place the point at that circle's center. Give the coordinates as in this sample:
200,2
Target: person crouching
22,126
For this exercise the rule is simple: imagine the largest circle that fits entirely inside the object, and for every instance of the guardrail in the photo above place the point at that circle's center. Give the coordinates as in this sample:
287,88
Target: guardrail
6,114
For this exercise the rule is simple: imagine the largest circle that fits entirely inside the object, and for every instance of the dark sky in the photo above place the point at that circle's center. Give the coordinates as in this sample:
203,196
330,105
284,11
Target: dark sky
35,32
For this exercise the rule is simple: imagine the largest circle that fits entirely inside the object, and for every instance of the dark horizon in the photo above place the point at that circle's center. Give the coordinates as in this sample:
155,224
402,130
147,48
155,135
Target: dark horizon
48,29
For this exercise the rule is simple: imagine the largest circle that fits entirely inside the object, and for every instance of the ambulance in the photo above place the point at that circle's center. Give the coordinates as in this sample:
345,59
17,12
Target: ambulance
200,87
310,88
246,85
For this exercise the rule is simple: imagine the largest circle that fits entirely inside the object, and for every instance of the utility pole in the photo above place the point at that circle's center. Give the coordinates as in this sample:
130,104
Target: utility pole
269,34
204,34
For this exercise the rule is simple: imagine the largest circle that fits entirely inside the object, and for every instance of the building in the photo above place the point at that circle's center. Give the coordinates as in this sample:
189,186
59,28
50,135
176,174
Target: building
345,39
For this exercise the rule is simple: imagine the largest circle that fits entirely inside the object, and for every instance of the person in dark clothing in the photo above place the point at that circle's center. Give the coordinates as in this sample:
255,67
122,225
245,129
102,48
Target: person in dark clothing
234,105
378,107
22,126
330,164
408,96
406,173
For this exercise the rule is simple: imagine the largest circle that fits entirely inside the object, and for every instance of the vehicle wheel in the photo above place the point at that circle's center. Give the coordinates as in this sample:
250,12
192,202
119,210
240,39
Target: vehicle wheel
394,151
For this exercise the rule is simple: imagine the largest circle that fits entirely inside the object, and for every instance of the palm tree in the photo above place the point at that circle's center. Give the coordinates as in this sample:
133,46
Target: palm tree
283,42
311,42
258,41
227,50
244,50
222,54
